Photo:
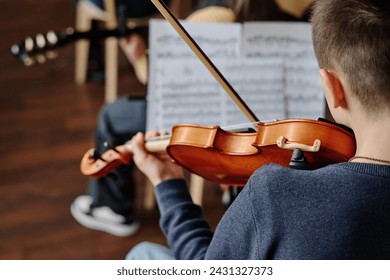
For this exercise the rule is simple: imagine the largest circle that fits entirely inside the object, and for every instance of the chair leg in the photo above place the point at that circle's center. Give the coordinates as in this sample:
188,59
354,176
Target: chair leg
149,198
196,188
83,23
111,55
111,69
85,13
81,61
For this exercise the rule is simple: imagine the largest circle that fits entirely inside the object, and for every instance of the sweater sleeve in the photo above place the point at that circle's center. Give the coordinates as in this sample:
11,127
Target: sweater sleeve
187,232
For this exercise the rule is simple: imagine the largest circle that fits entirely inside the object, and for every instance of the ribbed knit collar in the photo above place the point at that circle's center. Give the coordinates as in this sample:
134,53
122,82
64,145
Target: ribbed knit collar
381,170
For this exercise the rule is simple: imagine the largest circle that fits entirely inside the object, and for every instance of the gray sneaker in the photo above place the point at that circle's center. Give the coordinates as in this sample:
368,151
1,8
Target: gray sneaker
102,218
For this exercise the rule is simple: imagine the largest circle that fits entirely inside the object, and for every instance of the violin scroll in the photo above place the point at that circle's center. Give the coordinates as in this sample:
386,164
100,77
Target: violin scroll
98,165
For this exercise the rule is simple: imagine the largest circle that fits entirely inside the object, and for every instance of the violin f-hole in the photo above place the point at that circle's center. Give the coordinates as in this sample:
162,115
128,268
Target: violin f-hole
282,143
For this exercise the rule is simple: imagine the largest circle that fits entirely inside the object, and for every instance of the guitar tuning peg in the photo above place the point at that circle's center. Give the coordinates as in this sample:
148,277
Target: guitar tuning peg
51,54
19,51
28,61
40,40
52,37
16,50
40,58
28,44
70,30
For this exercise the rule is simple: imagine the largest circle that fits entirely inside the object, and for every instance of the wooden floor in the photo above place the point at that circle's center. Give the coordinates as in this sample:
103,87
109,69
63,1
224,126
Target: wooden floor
47,123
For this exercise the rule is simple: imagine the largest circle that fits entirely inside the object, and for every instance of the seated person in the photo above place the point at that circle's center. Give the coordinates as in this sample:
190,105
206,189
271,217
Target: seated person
109,205
341,211
124,9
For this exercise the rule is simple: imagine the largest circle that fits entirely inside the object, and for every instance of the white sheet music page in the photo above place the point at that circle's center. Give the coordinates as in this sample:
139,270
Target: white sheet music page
291,42
270,65
181,89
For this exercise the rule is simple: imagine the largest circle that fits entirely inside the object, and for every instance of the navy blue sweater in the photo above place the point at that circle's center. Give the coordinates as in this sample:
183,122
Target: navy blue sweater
341,211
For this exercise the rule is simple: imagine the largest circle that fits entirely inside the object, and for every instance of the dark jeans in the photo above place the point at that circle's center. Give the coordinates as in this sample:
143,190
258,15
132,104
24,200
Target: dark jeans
117,123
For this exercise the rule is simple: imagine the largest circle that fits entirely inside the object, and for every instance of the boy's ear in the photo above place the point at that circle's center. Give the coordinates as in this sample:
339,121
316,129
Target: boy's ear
334,89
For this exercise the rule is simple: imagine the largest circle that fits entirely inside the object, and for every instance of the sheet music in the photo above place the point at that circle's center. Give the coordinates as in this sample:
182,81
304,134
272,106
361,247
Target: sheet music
176,72
276,75
186,93
291,42
259,82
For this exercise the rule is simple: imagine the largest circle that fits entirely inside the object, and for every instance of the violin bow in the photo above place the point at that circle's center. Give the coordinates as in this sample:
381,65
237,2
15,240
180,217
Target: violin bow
164,10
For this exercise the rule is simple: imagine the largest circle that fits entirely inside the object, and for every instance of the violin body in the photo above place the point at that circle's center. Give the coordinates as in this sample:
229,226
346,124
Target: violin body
231,158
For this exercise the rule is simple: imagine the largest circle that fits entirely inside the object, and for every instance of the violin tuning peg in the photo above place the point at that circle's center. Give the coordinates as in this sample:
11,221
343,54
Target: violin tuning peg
95,155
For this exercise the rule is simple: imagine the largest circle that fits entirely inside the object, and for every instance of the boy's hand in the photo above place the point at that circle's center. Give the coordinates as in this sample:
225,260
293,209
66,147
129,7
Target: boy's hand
156,168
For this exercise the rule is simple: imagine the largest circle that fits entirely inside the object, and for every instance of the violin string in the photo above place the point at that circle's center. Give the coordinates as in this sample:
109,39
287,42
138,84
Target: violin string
245,125
252,125
155,138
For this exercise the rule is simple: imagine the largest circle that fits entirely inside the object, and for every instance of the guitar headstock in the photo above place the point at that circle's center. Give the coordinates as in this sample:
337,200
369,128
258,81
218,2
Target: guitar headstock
40,48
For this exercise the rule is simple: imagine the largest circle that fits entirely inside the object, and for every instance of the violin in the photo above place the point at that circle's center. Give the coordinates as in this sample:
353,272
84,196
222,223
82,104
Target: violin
230,158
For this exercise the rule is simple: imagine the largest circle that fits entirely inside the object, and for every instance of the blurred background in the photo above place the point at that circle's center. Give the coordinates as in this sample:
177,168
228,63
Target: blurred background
47,123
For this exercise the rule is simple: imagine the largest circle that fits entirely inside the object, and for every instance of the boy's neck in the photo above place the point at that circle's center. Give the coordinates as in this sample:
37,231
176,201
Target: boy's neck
372,139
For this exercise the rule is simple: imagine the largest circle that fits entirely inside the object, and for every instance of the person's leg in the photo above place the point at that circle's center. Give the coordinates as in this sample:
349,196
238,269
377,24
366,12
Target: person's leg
150,251
110,204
